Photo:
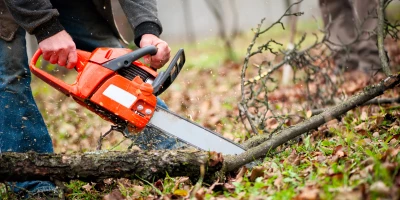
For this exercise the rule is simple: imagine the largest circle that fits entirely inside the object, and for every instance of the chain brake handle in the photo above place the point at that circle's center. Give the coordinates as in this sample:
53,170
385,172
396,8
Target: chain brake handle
165,78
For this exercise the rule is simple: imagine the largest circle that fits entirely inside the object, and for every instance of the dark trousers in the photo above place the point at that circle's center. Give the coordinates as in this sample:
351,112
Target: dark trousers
347,23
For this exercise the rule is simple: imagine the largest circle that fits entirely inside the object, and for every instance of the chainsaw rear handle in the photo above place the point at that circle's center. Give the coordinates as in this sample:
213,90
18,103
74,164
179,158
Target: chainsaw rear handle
127,59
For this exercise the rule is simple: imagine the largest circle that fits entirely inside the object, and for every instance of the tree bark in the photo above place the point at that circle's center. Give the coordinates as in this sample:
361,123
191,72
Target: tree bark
146,165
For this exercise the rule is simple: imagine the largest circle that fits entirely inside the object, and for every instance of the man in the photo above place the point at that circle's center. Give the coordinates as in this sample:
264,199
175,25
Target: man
60,28
349,22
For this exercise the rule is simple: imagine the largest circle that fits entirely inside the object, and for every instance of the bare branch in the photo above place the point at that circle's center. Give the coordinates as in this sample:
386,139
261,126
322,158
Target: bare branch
381,37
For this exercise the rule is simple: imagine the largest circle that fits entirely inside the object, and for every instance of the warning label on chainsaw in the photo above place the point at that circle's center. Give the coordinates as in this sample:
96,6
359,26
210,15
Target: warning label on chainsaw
119,95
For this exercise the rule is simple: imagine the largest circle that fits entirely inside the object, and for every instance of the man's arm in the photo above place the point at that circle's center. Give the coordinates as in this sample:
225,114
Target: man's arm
40,19
36,17
142,15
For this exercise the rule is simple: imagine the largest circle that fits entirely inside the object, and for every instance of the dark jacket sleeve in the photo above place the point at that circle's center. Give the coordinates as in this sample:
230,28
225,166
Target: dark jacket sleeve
142,15
37,17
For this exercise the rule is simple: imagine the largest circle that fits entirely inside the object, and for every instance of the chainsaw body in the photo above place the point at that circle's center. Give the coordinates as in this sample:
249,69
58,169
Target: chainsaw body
114,85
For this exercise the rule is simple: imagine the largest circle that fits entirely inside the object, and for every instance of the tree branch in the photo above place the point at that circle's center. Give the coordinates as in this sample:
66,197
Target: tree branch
381,37
376,101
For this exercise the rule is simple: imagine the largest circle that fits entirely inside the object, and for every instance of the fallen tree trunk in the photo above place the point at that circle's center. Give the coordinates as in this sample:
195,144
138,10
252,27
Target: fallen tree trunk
146,165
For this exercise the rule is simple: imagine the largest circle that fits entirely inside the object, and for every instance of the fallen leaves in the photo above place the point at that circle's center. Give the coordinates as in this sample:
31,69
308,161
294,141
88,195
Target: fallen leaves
380,188
256,172
278,182
114,195
308,193
293,158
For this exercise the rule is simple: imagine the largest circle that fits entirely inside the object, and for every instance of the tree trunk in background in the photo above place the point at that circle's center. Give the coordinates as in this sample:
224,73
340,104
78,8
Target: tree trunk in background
216,9
287,73
187,17
235,19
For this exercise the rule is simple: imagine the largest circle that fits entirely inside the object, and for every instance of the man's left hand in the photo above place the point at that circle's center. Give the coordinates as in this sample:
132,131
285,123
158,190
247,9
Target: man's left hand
163,53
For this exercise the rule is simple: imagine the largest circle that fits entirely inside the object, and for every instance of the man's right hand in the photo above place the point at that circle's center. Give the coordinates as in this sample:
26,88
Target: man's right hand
59,49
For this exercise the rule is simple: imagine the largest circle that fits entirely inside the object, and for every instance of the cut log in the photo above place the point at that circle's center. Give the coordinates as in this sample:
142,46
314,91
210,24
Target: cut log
146,165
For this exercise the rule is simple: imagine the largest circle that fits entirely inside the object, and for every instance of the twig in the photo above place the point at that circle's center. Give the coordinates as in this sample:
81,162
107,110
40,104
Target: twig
102,136
381,36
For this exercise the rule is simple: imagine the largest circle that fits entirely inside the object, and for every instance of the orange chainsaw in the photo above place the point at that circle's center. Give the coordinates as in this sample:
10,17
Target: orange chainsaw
112,83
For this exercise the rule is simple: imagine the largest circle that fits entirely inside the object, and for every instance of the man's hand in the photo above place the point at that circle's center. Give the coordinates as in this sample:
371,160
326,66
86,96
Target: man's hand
60,49
163,53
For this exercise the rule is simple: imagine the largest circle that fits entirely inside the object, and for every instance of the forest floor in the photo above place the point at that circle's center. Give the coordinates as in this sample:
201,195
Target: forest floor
354,157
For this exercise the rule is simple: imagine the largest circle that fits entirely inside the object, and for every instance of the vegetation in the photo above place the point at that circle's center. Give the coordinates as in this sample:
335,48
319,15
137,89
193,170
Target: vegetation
356,156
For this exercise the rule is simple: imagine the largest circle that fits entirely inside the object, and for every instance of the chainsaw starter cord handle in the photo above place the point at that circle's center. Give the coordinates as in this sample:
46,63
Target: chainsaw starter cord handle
127,59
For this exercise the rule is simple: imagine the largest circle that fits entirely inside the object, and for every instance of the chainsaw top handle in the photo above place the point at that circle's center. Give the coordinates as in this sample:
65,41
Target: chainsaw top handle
127,59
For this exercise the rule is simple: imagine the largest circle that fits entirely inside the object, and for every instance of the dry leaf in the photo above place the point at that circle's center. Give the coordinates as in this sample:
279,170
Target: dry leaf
339,152
256,172
229,186
159,185
211,188
242,172
108,181
349,195
178,181
87,187
390,153
279,181
364,116
200,194
361,127
114,195
293,158
181,193
215,158
309,114
393,142
380,188
308,193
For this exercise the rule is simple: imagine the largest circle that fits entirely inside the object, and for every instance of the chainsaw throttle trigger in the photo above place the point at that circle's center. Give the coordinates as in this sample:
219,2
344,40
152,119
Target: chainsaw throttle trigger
165,78
127,59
